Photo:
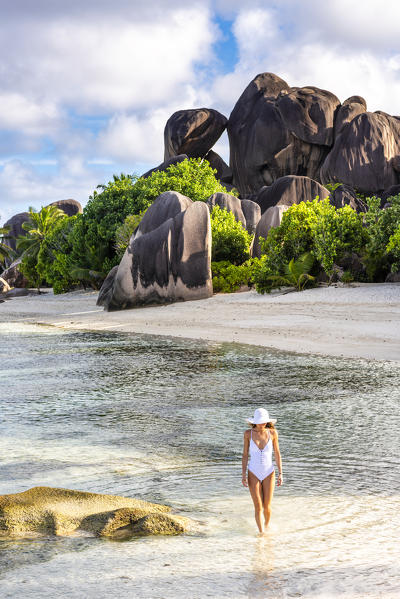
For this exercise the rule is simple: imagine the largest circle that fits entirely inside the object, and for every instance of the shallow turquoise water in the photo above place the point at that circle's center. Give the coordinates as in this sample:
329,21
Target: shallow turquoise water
163,420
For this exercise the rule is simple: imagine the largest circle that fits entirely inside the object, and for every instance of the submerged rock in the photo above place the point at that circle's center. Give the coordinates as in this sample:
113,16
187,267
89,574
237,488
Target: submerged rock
168,258
49,510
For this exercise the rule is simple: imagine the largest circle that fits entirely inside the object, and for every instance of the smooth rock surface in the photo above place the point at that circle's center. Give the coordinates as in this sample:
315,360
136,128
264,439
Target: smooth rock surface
252,214
15,223
272,217
167,205
48,510
224,172
290,190
169,263
344,195
193,132
70,207
363,153
275,130
229,203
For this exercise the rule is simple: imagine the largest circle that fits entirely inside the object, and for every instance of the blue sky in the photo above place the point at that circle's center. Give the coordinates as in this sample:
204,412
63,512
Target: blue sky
88,85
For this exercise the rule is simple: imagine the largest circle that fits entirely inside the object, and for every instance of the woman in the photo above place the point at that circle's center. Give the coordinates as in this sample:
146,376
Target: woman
258,442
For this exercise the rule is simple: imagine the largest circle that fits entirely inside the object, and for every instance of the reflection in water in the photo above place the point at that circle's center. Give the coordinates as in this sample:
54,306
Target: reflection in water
163,420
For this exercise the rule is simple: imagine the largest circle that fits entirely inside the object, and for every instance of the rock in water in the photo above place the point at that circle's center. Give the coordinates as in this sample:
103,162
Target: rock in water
272,217
290,190
165,264
63,511
193,132
365,153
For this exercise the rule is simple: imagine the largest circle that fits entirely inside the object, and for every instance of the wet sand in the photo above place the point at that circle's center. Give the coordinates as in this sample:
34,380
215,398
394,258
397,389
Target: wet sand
361,321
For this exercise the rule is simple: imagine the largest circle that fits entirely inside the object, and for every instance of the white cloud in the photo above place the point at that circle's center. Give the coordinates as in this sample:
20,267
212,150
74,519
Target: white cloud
108,64
318,44
33,117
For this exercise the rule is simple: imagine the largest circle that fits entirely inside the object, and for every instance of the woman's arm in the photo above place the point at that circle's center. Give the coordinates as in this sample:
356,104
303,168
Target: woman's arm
278,458
245,457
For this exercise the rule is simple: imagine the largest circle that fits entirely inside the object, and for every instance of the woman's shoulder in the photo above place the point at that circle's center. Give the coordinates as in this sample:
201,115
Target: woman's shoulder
247,433
273,432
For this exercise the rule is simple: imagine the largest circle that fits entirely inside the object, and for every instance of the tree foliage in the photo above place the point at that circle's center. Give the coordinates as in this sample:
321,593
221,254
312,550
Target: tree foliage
54,257
230,240
38,227
381,253
296,273
316,227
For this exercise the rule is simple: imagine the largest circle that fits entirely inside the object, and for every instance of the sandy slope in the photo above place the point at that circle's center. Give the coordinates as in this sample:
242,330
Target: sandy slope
359,321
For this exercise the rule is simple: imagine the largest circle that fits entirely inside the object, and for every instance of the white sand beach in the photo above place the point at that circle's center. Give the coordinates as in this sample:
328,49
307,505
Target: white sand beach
361,321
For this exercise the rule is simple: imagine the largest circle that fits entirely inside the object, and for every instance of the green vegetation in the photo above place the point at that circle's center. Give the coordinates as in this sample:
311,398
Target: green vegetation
295,274
6,253
312,227
125,232
228,277
381,254
38,228
54,257
230,240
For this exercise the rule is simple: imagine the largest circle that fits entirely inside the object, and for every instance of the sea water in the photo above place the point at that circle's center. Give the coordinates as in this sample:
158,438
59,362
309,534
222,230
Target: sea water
163,420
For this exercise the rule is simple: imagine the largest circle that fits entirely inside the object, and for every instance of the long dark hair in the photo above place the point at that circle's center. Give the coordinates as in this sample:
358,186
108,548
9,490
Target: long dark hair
267,425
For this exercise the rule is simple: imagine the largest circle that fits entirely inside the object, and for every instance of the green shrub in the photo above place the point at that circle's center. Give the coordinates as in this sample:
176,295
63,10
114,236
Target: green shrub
193,178
94,234
381,253
54,258
228,277
230,240
125,232
38,228
316,227
296,273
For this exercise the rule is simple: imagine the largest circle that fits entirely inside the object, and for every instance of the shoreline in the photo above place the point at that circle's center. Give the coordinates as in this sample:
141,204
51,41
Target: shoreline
358,321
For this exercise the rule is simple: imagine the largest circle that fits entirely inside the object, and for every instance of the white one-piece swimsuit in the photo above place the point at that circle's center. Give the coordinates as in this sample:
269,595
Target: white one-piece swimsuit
260,463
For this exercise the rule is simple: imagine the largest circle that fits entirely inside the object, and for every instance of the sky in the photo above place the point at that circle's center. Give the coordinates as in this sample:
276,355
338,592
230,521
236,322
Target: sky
87,86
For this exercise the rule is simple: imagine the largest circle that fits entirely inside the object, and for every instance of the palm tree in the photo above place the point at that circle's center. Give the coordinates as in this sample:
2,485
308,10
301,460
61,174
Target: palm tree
6,253
39,225
296,273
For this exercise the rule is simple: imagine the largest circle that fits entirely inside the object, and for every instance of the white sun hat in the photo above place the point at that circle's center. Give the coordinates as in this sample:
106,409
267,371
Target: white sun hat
261,416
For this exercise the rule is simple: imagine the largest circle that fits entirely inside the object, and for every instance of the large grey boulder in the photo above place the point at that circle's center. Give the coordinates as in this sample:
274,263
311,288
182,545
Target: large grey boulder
229,203
193,132
166,164
272,217
290,190
366,153
70,207
167,205
15,223
224,172
252,214
275,130
309,113
169,263
344,195
350,108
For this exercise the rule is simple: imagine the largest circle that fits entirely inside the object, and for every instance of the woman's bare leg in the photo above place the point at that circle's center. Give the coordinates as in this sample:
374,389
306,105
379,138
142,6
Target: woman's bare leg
256,492
268,486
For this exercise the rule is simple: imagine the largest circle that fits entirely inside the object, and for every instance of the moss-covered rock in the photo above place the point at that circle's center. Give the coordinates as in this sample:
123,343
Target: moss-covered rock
62,511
